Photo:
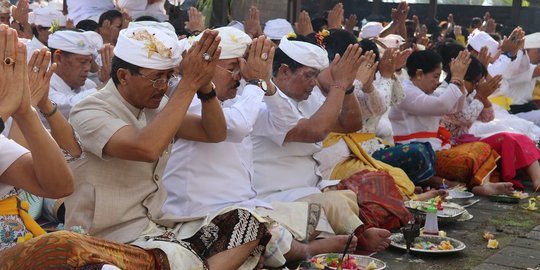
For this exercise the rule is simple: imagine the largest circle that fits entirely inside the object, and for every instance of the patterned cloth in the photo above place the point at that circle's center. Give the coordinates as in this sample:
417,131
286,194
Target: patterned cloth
416,159
68,250
228,231
381,204
467,163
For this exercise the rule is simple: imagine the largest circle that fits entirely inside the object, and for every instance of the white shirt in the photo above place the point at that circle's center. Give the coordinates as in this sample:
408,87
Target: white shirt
522,83
10,151
203,178
286,171
420,112
79,10
65,97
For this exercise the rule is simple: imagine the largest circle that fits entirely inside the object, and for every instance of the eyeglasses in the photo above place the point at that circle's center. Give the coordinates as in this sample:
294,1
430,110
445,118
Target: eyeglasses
161,82
233,73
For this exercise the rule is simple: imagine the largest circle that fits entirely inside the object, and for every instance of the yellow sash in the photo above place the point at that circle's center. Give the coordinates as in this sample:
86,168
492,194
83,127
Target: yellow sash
361,160
13,206
536,92
502,101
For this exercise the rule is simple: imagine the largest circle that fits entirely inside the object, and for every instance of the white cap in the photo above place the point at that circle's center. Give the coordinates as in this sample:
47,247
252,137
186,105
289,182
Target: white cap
392,41
236,24
5,6
478,39
532,41
371,29
160,25
277,28
56,5
305,53
83,43
233,42
46,16
148,47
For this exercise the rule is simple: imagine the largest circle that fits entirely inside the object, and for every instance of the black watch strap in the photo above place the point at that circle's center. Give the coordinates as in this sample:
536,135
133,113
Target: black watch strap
206,96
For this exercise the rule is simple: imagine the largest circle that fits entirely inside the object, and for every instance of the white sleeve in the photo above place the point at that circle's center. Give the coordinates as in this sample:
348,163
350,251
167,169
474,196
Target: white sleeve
10,151
276,118
419,103
66,102
241,115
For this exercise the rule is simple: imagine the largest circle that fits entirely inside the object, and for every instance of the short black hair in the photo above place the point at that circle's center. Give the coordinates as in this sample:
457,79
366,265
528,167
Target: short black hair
475,69
146,18
117,63
475,20
87,25
427,61
109,15
318,24
369,45
337,42
281,58
448,50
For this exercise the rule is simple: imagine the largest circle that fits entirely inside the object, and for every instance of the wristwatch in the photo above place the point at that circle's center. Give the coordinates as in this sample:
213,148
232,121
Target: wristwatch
259,83
2,126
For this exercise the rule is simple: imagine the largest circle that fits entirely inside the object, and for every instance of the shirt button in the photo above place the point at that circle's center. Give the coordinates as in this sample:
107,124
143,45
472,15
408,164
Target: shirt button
156,177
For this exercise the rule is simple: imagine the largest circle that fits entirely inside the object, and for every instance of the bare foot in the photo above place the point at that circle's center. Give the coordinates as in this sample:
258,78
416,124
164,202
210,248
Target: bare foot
334,244
488,189
377,239
431,194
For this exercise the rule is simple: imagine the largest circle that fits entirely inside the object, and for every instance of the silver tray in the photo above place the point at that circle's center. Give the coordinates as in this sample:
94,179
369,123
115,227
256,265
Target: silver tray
398,242
451,211
361,260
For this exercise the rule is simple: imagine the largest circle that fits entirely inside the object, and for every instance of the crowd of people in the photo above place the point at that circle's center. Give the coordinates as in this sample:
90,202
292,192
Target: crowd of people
182,146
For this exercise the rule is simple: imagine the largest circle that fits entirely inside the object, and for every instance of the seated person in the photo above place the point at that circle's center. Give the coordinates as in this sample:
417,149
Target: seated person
127,129
42,170
418,117
285,169
198,190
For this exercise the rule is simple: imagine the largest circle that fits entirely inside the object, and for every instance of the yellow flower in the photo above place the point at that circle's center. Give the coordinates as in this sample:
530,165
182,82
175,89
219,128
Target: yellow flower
493,244
324,33
291,35
371,266
532,204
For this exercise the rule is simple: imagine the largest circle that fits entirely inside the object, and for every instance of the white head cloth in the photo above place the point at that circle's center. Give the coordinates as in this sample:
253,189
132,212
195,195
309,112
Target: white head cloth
148,47
56,5
392,41
236,24
159,25
233,42
371,29
83,43
46,16
305,53
532,41
277,28
479,39
5,6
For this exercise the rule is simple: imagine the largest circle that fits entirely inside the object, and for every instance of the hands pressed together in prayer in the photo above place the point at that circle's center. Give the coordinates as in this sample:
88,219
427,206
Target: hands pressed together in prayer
458,68
258,64
202,58
14,93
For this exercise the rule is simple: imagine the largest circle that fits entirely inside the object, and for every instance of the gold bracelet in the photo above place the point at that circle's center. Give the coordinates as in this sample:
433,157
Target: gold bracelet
47,115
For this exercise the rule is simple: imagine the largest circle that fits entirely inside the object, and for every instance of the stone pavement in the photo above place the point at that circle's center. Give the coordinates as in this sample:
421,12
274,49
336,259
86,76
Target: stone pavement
516,229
